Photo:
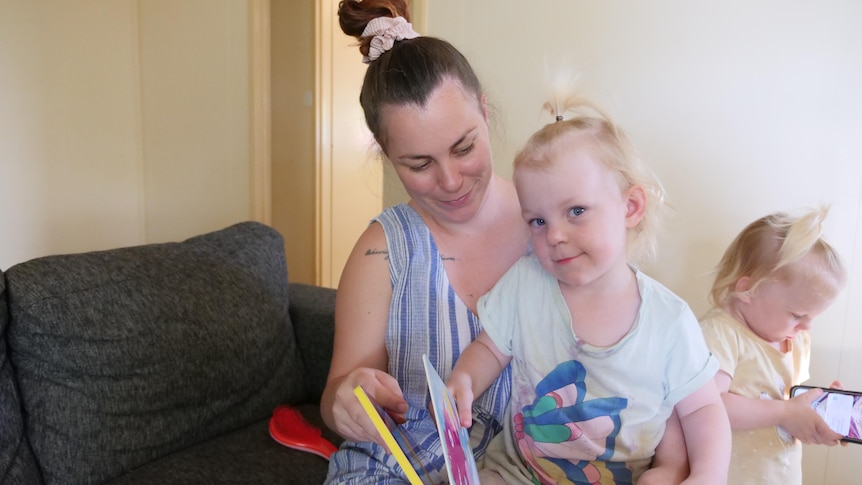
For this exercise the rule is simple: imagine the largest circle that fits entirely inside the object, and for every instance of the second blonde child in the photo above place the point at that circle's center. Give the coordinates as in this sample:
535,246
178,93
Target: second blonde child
601,353
773,280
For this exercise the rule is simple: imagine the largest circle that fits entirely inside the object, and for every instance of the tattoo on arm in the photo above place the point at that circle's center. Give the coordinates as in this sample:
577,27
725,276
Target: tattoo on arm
373,252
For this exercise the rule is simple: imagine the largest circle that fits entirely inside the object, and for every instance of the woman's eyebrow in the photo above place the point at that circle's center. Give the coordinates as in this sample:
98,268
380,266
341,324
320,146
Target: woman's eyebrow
463,137
453,146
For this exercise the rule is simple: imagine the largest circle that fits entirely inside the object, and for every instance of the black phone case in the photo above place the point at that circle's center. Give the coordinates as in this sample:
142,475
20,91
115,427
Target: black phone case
857,396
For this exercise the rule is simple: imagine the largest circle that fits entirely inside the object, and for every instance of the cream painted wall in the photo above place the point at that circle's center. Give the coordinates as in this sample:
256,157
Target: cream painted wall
122,122
70,161
742,107
195,111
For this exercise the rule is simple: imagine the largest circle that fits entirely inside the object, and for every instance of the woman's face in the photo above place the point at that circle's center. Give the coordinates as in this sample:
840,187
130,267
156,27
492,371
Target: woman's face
441,151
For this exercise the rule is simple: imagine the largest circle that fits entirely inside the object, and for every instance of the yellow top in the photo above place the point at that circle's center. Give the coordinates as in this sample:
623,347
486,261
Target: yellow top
759,371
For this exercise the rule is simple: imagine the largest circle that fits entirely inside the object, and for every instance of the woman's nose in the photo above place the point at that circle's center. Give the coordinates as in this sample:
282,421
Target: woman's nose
450,176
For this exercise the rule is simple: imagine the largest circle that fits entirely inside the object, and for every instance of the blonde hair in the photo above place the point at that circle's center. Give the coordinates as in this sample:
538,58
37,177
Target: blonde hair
611,147
782,247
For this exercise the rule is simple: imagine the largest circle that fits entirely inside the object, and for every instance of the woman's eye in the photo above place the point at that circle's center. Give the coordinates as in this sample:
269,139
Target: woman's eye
419,168
537,222
465,150
576,211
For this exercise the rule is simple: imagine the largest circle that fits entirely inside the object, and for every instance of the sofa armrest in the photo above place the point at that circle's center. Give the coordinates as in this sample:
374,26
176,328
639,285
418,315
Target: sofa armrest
312,313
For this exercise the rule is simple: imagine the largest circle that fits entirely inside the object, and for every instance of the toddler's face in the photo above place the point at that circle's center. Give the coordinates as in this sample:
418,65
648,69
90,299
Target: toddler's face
779,310
577,216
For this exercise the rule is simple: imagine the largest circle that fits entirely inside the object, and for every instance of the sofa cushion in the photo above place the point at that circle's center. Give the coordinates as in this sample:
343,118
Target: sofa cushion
17,464
312,313
247,456
130,354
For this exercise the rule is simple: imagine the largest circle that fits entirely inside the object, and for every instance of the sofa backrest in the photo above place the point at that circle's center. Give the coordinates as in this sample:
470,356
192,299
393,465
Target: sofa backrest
17,464
126,355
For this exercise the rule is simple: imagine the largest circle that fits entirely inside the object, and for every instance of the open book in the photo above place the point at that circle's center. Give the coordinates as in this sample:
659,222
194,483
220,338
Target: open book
455,441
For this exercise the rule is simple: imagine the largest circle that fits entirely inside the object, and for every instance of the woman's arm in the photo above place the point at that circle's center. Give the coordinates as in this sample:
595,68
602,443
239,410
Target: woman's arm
359,353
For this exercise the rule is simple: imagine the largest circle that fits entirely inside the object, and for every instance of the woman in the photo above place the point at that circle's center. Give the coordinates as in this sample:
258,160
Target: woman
411,283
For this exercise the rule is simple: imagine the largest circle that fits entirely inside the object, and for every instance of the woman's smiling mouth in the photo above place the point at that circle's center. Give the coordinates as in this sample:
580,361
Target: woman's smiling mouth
459,201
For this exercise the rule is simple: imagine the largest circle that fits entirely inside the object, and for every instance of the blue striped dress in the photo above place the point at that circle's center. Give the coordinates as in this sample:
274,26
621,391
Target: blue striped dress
425,317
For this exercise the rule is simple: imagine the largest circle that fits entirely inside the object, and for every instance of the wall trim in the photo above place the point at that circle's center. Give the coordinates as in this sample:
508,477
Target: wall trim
324,12
260,121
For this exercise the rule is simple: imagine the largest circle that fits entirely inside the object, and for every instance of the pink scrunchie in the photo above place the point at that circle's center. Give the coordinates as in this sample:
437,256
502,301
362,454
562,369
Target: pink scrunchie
386,30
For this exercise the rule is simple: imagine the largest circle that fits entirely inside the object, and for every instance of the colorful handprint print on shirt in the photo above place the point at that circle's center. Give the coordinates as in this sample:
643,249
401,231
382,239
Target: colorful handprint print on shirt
568,440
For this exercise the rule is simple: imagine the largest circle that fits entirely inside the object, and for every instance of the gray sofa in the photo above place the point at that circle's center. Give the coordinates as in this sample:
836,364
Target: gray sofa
160,363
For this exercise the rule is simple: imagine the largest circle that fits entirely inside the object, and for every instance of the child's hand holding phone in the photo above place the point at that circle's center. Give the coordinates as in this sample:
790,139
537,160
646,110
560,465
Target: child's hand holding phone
803,422
839,410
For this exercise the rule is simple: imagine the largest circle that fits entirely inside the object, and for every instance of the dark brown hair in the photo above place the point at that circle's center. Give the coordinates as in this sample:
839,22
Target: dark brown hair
407,73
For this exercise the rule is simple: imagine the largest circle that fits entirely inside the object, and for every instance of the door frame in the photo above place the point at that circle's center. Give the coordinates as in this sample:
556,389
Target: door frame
260,120
329,214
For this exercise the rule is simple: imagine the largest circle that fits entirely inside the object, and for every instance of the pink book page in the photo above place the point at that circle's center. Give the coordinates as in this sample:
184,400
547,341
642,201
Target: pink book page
455,439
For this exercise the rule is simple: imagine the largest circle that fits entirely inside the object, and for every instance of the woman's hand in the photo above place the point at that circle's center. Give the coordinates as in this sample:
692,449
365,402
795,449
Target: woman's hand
661,475
350,419
670,463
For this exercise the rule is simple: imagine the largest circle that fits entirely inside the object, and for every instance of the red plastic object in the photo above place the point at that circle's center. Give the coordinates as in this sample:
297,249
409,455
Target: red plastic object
288,427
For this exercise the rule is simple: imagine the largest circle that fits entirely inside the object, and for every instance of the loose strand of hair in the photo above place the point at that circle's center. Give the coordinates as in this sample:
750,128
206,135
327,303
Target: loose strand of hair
800,235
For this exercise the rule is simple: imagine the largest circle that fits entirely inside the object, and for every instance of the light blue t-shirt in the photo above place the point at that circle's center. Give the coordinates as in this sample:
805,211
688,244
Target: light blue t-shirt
578,411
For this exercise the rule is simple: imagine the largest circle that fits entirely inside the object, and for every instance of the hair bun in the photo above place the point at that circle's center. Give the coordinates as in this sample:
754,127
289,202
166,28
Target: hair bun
354,17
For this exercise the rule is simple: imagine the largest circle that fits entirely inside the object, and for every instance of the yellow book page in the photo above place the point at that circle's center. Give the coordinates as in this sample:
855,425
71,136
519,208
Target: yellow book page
384,431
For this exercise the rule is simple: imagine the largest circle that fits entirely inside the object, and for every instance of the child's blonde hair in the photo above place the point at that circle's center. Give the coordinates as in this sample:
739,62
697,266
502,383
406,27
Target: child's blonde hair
773,248
611,147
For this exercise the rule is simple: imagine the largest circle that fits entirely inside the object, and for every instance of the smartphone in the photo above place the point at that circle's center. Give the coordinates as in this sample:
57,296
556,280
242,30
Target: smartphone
842,410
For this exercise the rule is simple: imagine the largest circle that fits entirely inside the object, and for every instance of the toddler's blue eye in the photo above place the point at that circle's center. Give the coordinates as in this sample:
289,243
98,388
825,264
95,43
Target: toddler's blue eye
576,211
537,222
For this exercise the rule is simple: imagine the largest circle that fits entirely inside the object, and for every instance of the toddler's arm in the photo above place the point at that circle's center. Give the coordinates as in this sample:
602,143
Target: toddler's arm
476,368
670,463
795,415
707,435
